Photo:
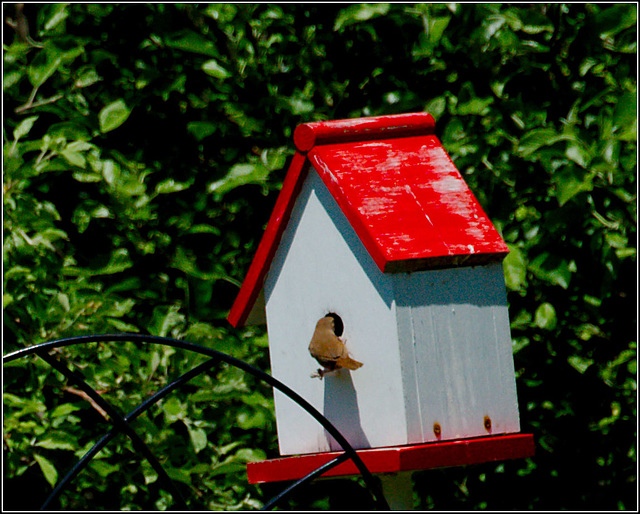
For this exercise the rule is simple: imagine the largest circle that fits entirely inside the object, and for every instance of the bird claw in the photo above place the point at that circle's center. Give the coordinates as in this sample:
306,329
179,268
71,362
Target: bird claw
321,373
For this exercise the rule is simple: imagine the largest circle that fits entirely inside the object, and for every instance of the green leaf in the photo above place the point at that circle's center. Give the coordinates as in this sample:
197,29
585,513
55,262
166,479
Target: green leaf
250,454
578,154
615,19
59,13
113,115
11,78
164,319
534,22
86,76
103,468
223,13
579,363
118,262
186,263
251,418
515,269
429,39
238,461
247,124
239,175
174,409
625,116
75,159
79,146
536,139
300,105
198,438
43,66
55,443
194,42
179,474
150,475
25,126
70,131
48,469
213,69
121,326
570,182
201,129
358,13
545,317
171,186
475,106
64,410
553,269
436,106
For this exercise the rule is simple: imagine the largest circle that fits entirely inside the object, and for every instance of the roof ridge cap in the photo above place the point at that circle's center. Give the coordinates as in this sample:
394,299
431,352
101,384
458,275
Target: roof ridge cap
308,135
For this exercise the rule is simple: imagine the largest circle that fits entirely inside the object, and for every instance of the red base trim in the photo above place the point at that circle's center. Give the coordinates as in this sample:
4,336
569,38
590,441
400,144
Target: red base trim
398,458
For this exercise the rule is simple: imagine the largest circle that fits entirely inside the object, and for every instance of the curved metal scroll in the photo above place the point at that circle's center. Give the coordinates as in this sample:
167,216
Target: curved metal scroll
121,423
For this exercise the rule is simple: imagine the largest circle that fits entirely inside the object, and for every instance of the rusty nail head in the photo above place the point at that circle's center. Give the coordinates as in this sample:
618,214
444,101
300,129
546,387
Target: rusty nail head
487,423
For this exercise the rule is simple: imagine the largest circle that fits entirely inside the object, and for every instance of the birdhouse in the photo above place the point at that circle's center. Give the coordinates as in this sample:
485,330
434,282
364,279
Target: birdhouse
375,227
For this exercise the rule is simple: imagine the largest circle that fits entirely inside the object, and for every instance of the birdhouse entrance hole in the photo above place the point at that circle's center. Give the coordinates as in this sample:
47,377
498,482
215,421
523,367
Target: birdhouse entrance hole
338,324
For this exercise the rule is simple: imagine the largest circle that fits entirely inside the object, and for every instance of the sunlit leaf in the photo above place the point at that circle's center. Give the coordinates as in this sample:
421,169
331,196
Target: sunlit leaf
25,127
113,115
194,42
223,13
171,186
552,269
59,13
625,116
515,269
86,77
570,182
214,69
53,443
238,175
545,316
616,18
536,139
47,468
164,319
477,106
198,438
43,66
103,468
201,129
358,13
119,261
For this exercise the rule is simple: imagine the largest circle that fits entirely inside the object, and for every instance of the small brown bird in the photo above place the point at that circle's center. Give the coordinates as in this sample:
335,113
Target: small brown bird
329,350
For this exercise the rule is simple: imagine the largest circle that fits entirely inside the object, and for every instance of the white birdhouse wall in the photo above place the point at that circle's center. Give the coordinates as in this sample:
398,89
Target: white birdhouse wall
321,266
455,345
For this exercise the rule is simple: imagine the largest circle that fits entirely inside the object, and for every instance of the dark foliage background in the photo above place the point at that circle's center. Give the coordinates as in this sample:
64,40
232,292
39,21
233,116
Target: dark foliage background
144,147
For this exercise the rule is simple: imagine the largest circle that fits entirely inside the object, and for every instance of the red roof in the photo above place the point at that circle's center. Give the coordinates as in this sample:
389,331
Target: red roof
398,188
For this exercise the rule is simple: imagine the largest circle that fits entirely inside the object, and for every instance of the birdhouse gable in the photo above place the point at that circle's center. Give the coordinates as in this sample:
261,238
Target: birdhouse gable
398,189
321,267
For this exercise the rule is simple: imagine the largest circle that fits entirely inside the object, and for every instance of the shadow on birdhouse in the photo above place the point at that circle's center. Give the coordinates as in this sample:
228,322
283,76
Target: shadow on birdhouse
377,244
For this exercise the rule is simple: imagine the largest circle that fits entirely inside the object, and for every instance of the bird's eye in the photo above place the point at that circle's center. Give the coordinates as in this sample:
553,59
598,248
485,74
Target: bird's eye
337,322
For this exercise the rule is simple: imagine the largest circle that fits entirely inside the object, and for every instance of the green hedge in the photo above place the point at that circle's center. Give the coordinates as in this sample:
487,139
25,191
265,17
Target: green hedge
144,147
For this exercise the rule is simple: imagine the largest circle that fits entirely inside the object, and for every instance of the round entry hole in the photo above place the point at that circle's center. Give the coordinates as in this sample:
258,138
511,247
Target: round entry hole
339,325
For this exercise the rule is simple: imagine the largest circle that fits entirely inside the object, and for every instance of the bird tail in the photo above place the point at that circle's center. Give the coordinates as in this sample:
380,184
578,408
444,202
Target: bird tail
348,363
